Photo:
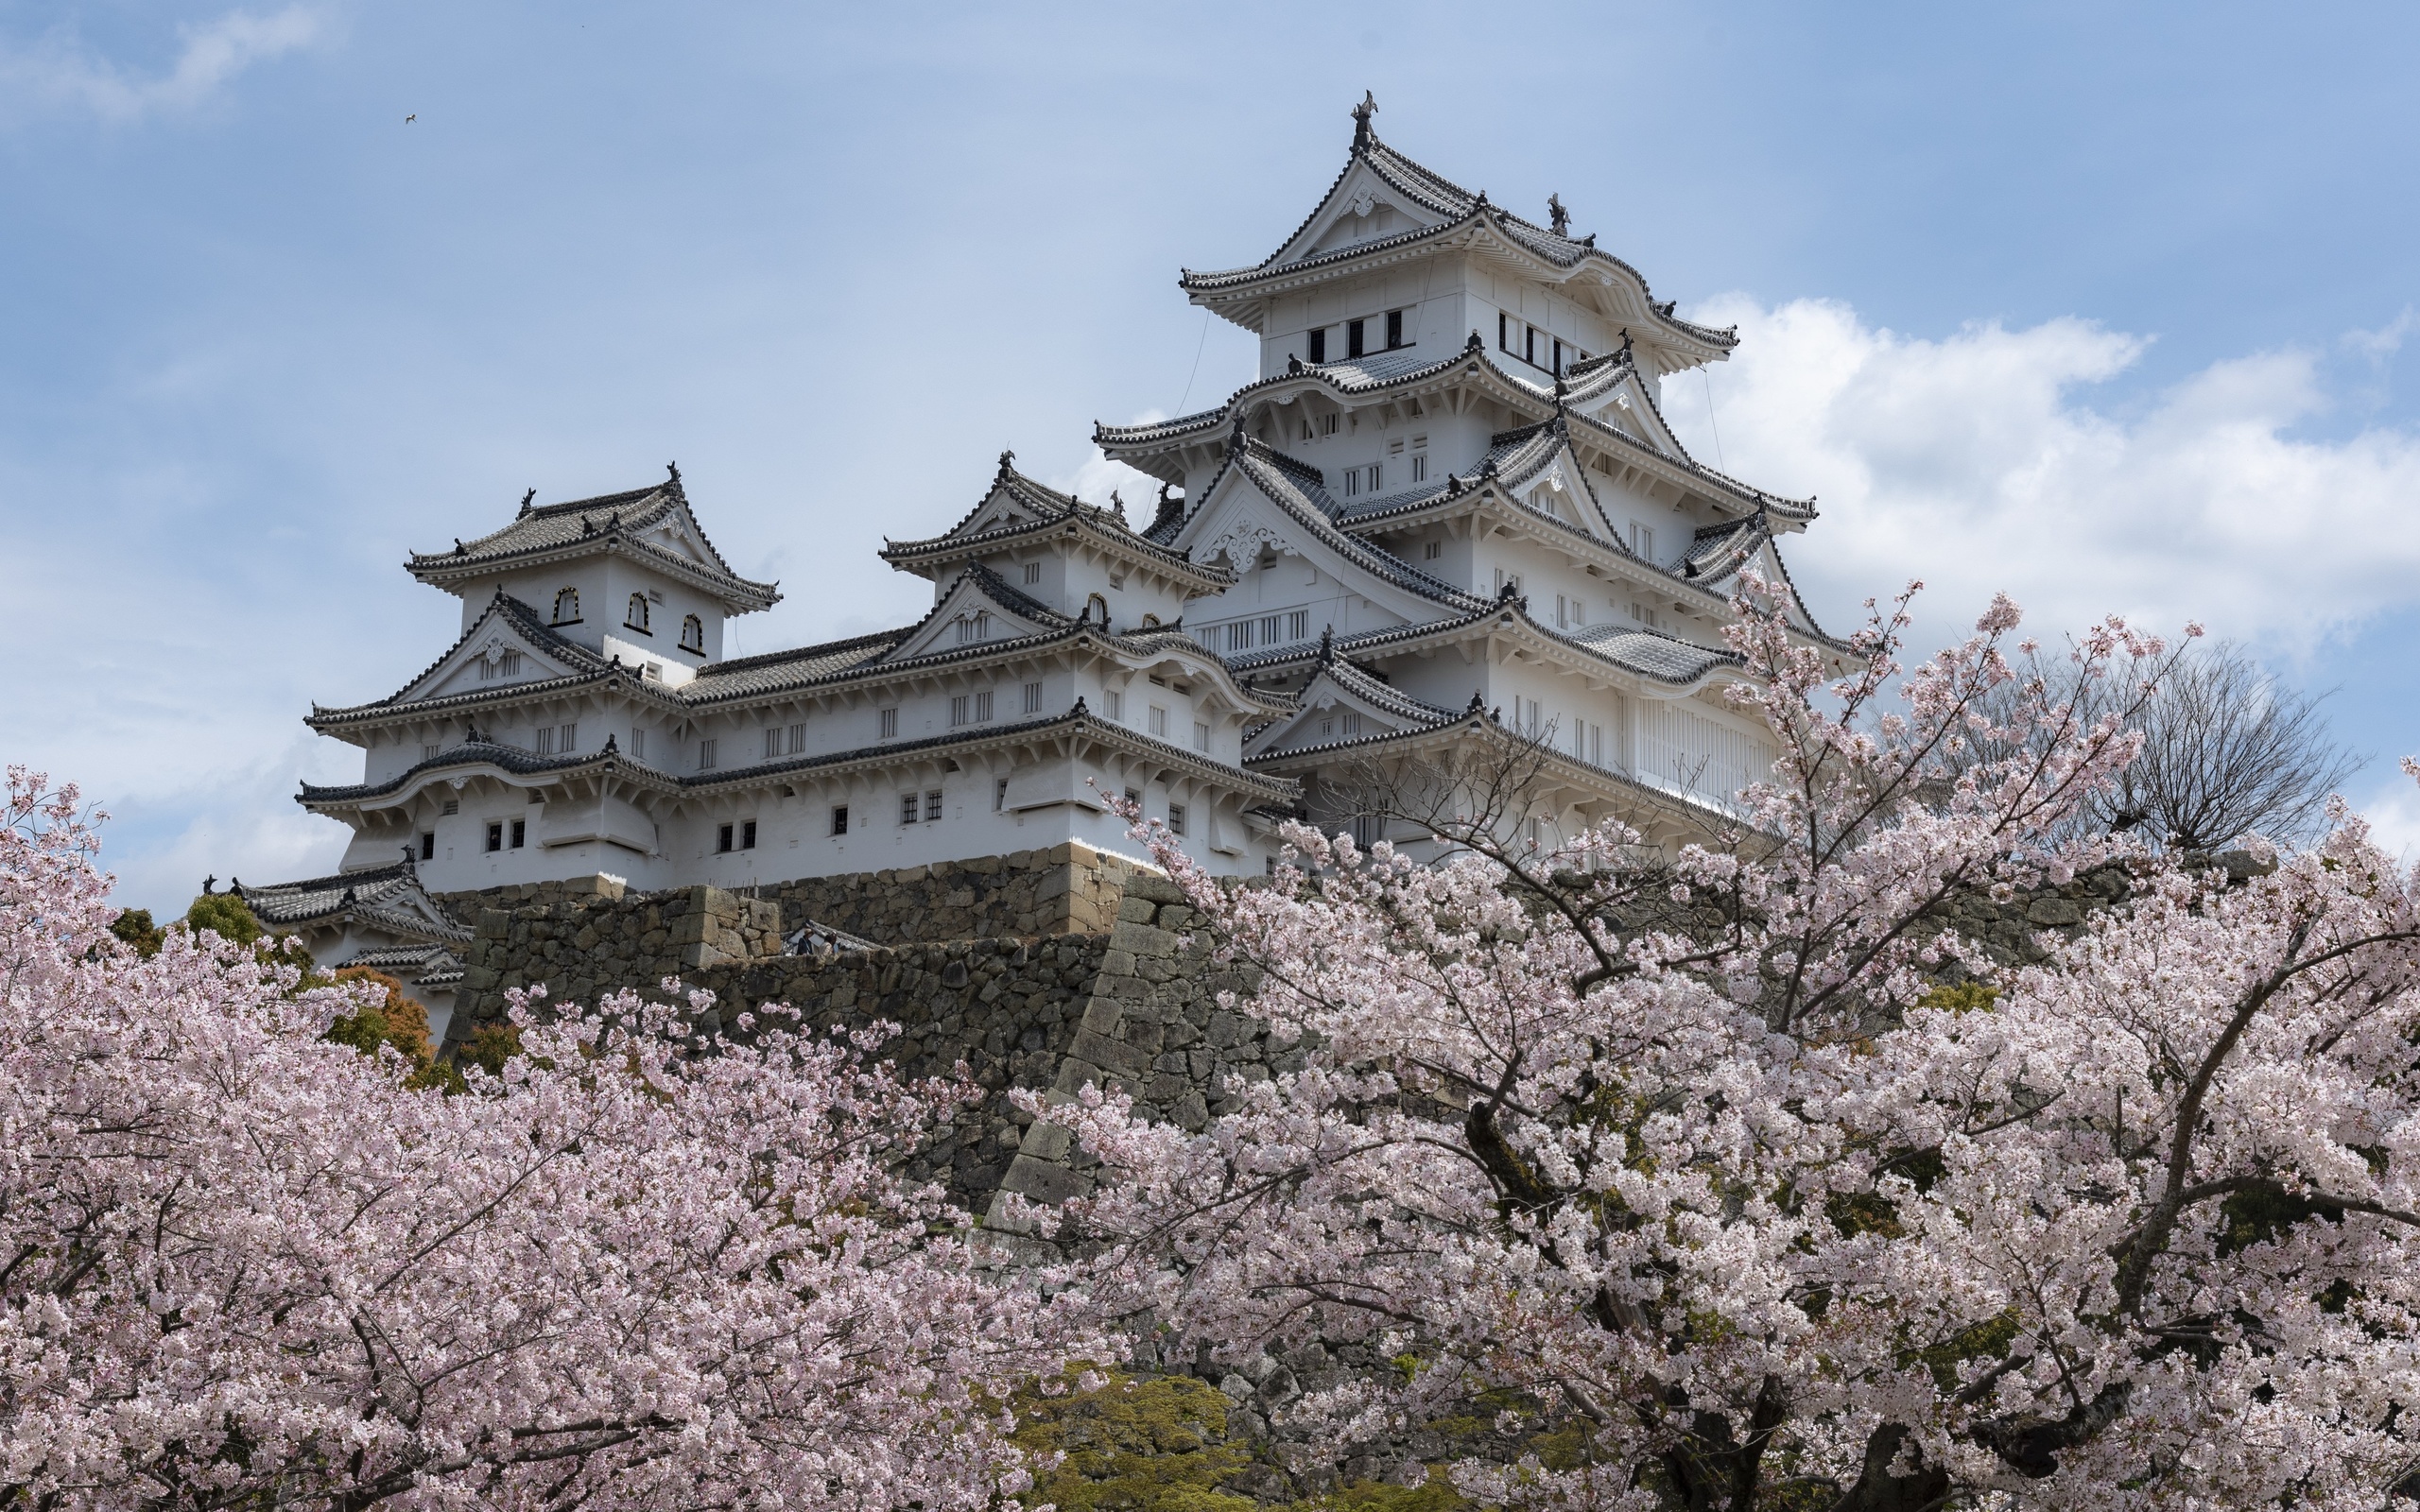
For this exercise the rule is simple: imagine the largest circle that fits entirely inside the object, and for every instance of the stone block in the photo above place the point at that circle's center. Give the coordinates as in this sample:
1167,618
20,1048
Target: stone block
1110,1055
1137,910
1143,939
2053,913
1047,1142
1040,1181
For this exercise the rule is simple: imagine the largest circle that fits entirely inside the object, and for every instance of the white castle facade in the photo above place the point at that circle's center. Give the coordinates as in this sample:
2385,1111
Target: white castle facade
1448,509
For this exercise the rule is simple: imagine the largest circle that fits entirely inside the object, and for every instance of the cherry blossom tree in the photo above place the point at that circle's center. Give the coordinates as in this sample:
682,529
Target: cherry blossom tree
1743,1181
242,1265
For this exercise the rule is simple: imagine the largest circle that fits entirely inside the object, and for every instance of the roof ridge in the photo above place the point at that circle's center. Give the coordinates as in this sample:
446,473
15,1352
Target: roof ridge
799,652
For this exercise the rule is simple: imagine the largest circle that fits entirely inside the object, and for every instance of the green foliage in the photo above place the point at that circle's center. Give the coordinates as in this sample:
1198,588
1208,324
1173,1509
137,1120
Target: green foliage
135,926
1962,997
1154,1444
2265,1214
1437,1494
490,1047
1989,1339
397,1020
226,913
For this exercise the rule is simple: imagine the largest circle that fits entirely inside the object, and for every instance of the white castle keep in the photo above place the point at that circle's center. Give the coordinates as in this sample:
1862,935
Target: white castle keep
1448,510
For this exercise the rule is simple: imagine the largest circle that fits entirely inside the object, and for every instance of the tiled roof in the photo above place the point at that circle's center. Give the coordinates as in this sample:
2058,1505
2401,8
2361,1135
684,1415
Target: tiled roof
611,517
1361,380
1356,376
1159,429
1366,686
890,750
381,896
792,668
1643,653
586,667
1459,206
1801,509
1468,720
1050,510
1296,487
476,753
417,965
1650,653
1716,551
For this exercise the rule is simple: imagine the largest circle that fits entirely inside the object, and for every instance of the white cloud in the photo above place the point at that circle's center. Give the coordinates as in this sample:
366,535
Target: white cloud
2394,814
1098,479
1978,462
237,819
59,73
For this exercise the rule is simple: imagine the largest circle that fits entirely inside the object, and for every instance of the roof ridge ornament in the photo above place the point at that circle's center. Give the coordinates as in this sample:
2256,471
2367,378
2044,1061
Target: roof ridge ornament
673,482
1475,344
1007,461
1558,219
525,500
1363,135
1327,643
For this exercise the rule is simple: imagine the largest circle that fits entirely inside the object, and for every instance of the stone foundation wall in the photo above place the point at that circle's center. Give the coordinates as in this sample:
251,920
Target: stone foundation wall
1132,1005
1063,890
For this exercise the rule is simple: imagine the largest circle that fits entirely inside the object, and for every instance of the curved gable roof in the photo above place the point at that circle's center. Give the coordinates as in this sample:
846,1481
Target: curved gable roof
609,521
1452,208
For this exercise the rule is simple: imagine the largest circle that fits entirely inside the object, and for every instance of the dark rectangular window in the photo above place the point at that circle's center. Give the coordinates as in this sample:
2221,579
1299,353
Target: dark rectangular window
1353,339
840,819
428,845
1176,819
1503,332
1529,345
1319,345
495,836
723,837
520,834
1395,329
907,808
933,804
747,836
1557,356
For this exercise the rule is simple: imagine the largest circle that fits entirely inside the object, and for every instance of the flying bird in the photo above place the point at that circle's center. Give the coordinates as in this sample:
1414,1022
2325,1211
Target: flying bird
409,119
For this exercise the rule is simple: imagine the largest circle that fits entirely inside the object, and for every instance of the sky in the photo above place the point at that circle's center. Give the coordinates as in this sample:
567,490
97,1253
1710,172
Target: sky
2105,307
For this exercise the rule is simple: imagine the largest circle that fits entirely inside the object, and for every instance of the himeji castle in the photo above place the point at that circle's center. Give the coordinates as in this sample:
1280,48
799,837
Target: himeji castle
1448,510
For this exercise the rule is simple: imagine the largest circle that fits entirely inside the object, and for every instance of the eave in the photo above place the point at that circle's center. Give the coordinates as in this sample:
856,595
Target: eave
1077,726
1573,772
736,594
927,559
1243,295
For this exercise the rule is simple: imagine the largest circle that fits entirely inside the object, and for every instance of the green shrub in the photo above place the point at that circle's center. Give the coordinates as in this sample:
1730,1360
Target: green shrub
1156,1444
228,914
135,926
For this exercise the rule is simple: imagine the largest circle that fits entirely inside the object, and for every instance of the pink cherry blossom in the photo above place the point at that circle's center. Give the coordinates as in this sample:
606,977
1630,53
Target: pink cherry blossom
1699,1164
244,1265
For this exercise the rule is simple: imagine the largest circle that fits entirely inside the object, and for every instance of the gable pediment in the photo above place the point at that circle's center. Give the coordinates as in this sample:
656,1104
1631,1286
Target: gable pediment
1556,485
1336,706
1001,510
1240,522
495,655
1362,206
969,615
